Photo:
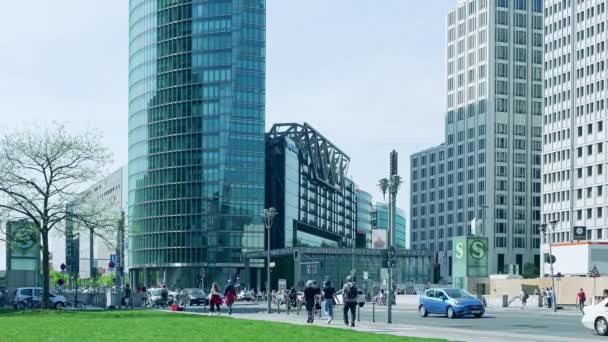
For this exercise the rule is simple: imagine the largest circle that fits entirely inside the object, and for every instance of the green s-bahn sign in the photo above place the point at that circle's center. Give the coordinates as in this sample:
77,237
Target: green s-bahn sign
469,259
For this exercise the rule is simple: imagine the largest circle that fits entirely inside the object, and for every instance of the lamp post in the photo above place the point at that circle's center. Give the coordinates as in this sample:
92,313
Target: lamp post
269,215
547,233
391,185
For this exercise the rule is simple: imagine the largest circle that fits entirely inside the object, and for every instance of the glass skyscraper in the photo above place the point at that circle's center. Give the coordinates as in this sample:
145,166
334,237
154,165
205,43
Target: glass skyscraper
196,138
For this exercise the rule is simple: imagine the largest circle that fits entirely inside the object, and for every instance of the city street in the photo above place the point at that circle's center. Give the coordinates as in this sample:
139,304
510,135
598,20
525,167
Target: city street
497,325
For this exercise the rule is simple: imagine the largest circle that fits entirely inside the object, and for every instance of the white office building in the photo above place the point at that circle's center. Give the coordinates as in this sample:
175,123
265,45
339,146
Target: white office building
112,191
574,137
490,160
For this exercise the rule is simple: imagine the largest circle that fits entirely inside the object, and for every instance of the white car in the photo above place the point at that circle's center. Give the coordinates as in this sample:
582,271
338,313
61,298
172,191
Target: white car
22,294
245,295
596,317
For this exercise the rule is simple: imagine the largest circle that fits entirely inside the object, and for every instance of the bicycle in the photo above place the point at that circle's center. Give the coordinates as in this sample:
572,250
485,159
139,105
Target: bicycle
75,305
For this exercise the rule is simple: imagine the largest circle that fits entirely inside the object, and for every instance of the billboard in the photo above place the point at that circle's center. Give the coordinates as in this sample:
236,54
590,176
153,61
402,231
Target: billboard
23,250
379,239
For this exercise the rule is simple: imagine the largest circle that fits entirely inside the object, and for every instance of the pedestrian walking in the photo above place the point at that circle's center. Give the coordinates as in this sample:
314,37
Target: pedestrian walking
328,299
215,298
523,297
164,296
309,299
580,300
229,296
550,297
349,297
144,296
127,296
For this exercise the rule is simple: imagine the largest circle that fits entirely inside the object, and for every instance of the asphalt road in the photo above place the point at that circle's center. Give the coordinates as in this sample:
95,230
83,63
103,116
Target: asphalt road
497,323
535,322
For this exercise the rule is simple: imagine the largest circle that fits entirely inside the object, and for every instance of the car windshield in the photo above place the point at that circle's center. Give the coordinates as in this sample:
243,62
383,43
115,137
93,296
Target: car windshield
155,292
458,293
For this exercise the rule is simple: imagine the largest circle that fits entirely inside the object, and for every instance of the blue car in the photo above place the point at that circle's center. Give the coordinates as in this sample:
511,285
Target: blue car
450,302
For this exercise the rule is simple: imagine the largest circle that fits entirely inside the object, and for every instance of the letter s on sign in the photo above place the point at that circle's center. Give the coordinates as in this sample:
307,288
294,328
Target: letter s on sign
478,249
459,251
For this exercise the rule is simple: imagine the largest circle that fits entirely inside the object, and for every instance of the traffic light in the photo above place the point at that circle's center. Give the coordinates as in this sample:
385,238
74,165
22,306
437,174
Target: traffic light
549,258
296,255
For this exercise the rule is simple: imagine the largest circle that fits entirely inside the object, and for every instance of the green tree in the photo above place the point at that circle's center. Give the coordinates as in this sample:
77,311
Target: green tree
531,271
42,170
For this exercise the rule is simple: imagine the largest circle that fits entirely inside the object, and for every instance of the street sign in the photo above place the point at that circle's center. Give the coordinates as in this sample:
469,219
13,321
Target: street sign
594,272
114,258
272,264
111,264
365,275
580,233
238,281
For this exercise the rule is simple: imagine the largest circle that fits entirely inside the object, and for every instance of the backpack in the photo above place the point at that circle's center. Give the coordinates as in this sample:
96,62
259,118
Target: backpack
352,292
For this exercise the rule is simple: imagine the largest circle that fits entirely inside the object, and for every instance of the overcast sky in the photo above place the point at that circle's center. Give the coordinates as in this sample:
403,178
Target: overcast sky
368,74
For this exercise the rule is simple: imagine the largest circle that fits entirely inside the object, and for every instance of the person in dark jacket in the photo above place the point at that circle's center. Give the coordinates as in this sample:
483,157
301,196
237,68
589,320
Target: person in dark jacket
349,297
328,298
309,298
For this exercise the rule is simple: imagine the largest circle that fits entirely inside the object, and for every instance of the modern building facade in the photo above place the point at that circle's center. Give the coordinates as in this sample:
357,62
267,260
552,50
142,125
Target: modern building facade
307,182
380,222
335,264
196,138
491,160
363,235
574,137
108,194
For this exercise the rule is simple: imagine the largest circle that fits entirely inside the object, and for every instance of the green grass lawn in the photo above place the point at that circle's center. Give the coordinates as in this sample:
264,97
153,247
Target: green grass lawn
146,326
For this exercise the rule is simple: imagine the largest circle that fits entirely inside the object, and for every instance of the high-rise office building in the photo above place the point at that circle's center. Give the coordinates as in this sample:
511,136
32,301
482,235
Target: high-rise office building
380,223
363,236
488,170
196,139
307,182
574,136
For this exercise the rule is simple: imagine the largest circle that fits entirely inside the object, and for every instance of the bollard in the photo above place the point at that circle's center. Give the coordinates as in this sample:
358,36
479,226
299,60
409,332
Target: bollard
278,307
358,313
374,312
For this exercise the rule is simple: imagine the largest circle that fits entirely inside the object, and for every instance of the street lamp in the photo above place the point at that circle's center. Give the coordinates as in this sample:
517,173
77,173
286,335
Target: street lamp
269,215
391,185
547,233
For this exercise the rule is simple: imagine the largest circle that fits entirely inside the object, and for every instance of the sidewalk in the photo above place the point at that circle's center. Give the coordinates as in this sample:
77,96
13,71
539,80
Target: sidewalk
453,334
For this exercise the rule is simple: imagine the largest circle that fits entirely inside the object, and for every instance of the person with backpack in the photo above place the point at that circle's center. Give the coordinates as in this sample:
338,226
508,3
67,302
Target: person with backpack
523,297
328,298
349,295
229,296
580,300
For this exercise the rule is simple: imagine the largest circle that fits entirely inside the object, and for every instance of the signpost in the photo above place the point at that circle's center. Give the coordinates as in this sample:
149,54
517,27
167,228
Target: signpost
594,274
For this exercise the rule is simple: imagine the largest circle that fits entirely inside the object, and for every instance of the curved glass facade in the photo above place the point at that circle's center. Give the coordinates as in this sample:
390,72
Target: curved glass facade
196,137
364,218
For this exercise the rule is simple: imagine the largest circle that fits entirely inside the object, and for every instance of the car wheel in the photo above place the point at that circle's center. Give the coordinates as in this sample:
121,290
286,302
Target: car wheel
20,306
59,305
601,326
478,315
422,311
450,312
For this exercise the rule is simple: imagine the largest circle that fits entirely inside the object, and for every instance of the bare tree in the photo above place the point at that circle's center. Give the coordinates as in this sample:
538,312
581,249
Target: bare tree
44,169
